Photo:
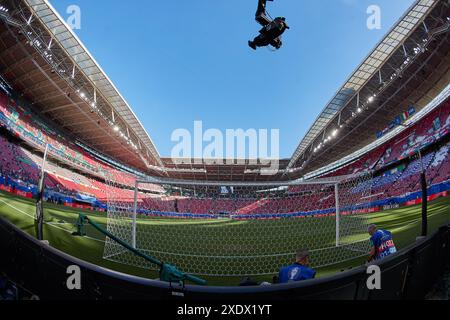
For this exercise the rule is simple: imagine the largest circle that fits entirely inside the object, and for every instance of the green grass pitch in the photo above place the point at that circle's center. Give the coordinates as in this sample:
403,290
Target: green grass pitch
403,222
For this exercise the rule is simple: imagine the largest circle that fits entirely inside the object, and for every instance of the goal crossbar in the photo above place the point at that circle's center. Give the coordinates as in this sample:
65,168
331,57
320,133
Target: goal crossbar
217,228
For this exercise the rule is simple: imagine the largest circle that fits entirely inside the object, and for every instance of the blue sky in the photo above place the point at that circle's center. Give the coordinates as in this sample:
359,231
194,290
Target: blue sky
179,61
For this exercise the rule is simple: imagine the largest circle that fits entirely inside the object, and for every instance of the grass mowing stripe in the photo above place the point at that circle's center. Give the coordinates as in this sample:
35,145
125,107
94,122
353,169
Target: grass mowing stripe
54,225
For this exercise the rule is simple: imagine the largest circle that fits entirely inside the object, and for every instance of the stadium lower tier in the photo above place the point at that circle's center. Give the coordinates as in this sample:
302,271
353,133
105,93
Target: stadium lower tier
37,133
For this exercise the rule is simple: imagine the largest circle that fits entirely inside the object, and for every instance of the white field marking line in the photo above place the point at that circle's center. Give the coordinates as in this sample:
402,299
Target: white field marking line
48,223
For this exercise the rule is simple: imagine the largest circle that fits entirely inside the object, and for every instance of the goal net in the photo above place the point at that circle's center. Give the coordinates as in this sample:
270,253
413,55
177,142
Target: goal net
238,229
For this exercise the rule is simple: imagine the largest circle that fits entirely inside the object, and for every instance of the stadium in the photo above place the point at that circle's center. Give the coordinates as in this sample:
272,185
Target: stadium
82,182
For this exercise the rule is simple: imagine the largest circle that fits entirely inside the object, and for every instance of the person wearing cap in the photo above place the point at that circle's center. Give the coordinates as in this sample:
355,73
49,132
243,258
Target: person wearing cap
298,271
382,242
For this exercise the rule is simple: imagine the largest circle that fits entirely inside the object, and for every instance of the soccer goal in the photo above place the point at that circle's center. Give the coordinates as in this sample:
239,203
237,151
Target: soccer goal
238,229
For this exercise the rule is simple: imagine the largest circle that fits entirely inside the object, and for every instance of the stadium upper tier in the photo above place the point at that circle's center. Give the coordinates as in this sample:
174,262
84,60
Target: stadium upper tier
408,68
43,63
426,132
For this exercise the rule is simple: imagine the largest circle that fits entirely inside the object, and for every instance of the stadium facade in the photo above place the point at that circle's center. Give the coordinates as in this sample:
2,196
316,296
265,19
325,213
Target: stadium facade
390,121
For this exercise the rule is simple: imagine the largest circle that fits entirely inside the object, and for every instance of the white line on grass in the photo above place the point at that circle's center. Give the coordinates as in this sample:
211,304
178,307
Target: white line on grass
47,223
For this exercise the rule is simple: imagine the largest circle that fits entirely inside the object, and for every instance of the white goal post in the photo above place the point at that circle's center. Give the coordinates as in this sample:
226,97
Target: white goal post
221,184
239,228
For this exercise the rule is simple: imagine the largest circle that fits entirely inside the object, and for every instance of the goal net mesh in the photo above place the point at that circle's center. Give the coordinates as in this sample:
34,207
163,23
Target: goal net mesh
238,229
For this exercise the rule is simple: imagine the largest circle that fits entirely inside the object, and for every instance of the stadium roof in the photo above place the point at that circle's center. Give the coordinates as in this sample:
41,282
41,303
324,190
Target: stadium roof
87,64
87,86
395,57
228,170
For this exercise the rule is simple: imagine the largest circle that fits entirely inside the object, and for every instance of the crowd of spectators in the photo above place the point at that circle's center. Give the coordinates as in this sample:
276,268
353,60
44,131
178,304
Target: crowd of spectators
23,166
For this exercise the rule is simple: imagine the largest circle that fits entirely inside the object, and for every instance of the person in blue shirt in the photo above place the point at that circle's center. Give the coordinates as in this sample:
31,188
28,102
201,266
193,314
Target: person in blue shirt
382,242
299,271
